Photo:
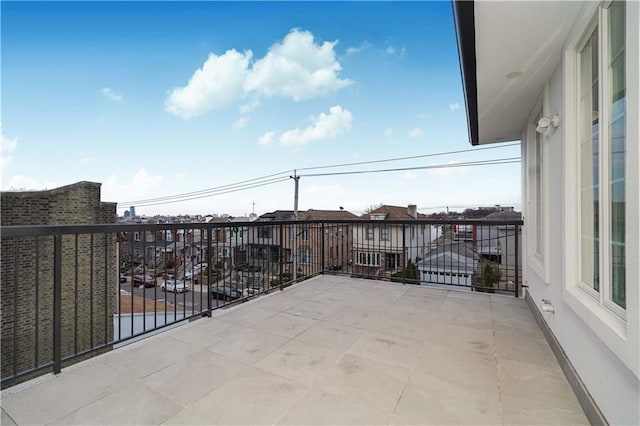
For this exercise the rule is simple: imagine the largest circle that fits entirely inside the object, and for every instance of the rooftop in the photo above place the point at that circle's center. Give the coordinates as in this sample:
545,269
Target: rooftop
393,212
330,350
312,214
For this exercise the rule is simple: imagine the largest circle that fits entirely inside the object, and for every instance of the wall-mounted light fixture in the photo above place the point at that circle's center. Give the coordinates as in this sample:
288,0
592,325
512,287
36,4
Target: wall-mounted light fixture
545,122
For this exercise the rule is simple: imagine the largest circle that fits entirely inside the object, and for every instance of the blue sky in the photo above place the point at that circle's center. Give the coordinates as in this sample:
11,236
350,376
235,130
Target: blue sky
162,98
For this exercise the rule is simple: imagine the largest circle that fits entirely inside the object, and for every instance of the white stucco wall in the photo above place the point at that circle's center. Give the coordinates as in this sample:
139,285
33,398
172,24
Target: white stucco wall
604,349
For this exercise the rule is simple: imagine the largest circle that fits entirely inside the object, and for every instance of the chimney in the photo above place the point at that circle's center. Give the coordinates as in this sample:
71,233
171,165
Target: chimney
412,209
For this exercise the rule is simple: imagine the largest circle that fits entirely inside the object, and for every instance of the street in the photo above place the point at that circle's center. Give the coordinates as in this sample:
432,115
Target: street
189,302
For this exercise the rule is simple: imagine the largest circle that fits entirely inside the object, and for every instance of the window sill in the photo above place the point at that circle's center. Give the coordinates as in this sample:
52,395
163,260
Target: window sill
537,265
608,326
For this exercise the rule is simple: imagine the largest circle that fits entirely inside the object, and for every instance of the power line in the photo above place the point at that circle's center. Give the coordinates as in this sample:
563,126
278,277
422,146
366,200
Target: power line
409,158
203,191
435,166
257,185
277,177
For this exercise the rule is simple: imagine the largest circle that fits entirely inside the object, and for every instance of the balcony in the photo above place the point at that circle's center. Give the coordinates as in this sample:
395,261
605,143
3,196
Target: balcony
344,322
330,350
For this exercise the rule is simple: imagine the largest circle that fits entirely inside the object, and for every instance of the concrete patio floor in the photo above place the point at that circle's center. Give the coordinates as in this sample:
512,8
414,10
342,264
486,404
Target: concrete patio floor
330,350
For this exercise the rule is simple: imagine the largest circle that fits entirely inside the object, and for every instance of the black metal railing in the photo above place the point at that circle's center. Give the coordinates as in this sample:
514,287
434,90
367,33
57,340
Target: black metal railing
69,292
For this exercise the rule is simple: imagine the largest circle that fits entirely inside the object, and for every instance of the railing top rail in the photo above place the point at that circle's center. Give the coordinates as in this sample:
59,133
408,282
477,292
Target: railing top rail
44,230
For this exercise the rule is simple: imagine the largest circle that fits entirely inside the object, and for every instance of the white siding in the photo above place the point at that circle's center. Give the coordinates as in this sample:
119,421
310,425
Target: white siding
603,348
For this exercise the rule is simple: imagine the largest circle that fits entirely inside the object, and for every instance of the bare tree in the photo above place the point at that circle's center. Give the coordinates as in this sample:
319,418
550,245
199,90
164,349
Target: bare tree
372,207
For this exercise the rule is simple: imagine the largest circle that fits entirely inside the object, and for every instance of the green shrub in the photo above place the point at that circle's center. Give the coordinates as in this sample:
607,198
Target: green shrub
408,275
489,276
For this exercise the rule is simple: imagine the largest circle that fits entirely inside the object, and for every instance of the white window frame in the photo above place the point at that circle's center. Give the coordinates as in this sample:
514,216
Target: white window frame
364,258
385,233
136,236
304,256
602,296
265,232
369,233
395,263
538,256
619,333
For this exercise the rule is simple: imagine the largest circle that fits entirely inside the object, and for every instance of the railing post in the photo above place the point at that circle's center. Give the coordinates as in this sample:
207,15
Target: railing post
281,255
322,236
209,293
57,303
517,261
404,253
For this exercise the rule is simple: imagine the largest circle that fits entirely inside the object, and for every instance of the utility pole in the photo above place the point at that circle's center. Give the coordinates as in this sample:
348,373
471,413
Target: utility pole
295,178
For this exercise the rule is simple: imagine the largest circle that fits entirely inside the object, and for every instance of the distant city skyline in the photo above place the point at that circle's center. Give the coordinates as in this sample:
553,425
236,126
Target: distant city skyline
160,98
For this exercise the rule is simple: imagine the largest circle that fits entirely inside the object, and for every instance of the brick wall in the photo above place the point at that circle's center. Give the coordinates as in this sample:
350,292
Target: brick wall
89,276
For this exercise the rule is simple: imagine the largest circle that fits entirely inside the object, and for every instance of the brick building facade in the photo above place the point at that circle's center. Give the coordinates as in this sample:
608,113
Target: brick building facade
89,276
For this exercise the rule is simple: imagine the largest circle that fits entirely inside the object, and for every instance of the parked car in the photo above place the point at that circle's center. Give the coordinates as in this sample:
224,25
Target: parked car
251,291
176,286
225,293
195,271
243,267
146,280
123,277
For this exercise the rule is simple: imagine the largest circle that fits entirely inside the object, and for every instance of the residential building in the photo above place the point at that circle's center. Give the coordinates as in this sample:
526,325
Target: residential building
264,242
569,90
321,245
381,250
89,279
501,244
449,262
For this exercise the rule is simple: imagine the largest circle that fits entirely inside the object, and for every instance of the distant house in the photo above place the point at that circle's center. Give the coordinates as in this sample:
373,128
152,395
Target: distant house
264,240
237,238
501,244
380,249
311,238
450,262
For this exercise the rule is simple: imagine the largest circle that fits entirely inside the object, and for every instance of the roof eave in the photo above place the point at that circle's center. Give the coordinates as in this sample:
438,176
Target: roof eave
464,18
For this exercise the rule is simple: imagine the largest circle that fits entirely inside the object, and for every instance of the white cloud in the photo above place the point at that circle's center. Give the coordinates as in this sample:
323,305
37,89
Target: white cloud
110,94
86,160
217,84
247,108
454,106
423,116
354,50
240,122
267,139
7,146
325,126
388,133
142,185
297,68
390,50
415,133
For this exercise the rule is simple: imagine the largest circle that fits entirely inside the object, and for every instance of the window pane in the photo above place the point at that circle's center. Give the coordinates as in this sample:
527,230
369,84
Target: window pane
538,189
617,148
589,159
